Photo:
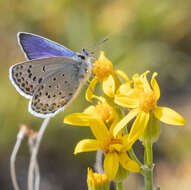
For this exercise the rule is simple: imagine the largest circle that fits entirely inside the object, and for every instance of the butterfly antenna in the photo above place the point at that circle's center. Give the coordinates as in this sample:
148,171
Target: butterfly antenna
91,48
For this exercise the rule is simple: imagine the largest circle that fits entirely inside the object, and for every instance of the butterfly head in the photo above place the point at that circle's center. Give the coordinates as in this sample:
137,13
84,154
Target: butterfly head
85,56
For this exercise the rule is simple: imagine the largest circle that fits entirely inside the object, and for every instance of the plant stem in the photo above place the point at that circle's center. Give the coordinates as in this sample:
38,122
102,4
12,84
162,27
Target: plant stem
35,153
148,166
32,146
134,157
119,186
20,137
98,164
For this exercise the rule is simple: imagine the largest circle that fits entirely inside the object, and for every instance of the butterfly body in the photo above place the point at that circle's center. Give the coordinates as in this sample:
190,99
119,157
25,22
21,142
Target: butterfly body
50,78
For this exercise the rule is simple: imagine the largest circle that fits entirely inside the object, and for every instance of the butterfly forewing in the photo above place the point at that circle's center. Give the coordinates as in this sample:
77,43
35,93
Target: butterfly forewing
35,47
56,91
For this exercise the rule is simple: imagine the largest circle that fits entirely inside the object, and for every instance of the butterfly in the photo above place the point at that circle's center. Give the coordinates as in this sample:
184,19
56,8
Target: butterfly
52,75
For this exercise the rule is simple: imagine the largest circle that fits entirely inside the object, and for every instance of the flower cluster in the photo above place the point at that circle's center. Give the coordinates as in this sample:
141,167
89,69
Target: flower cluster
108,124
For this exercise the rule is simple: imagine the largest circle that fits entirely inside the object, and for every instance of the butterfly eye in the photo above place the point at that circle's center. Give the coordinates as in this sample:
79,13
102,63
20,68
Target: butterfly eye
82,57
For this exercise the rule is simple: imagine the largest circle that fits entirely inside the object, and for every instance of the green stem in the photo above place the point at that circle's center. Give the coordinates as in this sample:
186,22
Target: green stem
134,157
119,186
148,166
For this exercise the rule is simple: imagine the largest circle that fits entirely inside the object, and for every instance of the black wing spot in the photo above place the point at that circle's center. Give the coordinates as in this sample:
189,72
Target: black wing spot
34,78
43,68
39,80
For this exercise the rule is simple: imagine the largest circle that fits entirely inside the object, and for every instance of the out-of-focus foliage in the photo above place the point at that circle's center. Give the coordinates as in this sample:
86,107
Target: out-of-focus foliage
143,34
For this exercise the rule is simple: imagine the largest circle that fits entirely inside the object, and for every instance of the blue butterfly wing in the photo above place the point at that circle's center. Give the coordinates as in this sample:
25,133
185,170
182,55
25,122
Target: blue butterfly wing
35,47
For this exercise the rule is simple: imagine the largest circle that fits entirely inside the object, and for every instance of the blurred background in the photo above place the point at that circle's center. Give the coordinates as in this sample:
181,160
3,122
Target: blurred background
143,34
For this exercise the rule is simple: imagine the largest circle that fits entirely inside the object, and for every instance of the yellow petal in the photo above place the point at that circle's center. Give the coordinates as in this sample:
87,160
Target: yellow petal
126,143
90,110
115,147
155,86
90,90
126,101
168,116
124,121
125,138
86,145
124,88
145,82
108,86
79,119
111,165
99,129
138,126
123,75
128,164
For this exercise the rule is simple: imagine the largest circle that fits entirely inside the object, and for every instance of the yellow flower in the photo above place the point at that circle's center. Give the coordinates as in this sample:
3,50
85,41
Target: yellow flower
102,111
105,73
114,148
142,101
97,181
103,67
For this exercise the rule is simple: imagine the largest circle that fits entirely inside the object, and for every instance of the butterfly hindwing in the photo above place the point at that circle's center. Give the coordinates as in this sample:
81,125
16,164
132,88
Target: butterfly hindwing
35,47
56,91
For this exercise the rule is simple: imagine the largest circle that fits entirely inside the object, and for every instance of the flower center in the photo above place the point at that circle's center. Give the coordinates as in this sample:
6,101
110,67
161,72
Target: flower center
147,101
104,111
112,145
